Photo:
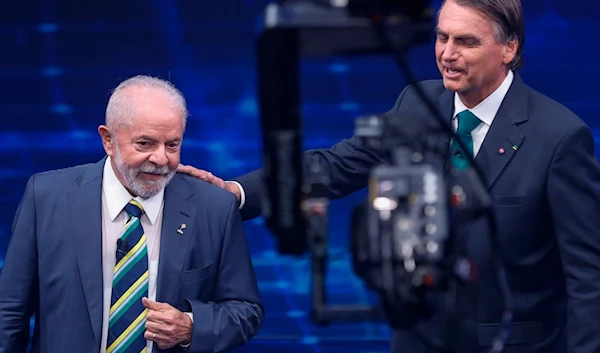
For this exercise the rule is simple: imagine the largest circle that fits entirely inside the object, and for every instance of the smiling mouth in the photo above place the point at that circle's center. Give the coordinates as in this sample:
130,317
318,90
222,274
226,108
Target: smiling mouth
152,175
452,73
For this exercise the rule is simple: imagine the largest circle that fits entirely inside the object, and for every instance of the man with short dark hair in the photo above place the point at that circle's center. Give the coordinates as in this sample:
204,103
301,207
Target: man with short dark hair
539,165
125,256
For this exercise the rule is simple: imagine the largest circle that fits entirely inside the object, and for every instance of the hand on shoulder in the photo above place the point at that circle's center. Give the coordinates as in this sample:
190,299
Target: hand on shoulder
210,178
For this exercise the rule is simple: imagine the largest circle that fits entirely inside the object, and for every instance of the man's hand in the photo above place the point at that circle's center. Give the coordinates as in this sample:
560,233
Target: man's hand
166,326
210,178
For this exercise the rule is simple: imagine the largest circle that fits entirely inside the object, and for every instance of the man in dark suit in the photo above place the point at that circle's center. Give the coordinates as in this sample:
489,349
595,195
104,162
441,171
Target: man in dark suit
540,169
125,256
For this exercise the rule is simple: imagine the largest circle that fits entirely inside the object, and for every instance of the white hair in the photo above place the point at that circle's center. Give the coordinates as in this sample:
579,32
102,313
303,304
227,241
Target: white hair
119,108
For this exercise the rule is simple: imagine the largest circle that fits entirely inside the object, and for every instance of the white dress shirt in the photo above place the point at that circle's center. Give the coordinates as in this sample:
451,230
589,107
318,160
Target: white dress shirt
114,199
485,111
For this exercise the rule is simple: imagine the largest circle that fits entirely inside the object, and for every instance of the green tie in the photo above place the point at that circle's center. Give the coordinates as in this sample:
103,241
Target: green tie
467,122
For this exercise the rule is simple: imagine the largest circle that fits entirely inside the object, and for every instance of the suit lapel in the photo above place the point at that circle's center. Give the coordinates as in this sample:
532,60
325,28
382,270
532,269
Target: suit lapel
177,211
504,137
446,102
446,105
85,212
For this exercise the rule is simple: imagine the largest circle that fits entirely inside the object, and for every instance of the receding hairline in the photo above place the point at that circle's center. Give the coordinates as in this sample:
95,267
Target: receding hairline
137,93
129,93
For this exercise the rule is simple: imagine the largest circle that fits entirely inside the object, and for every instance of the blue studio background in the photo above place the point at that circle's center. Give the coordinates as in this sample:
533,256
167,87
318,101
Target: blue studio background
60,59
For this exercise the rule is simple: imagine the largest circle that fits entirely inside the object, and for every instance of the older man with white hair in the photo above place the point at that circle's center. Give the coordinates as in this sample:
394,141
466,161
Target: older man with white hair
125,256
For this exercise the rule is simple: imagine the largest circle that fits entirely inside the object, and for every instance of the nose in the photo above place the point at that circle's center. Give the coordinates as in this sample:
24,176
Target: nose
159,157
449,52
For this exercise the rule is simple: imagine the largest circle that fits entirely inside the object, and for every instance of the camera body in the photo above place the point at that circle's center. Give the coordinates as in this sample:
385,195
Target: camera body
403,243
406,228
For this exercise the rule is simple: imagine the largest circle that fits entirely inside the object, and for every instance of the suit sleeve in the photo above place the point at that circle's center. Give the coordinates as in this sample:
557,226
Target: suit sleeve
236,314
574,198
348,162
18,279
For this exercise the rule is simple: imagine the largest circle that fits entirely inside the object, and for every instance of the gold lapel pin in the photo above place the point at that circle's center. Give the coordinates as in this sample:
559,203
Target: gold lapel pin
181,228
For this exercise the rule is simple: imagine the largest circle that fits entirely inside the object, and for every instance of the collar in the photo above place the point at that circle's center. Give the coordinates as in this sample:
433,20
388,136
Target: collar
117,197
488,108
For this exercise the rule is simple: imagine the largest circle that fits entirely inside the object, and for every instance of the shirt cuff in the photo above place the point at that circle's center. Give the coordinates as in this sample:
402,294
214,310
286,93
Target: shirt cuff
242,193
191,315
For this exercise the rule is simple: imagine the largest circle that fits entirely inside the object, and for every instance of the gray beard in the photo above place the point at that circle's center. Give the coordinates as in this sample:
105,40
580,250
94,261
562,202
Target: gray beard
143,188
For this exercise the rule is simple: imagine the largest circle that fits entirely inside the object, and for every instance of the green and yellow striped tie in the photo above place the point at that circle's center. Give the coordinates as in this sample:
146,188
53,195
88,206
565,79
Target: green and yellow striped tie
127,318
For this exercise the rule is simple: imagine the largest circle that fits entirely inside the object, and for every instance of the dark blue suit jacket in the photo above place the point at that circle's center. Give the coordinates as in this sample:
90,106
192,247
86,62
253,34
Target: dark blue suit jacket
546,196
53,267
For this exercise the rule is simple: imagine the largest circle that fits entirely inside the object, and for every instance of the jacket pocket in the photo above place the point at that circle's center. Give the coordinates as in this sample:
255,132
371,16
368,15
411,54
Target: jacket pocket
196,275
526,332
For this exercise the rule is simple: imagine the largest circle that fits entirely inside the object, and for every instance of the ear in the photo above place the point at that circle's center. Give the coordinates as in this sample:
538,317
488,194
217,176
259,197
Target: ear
510,51
108,141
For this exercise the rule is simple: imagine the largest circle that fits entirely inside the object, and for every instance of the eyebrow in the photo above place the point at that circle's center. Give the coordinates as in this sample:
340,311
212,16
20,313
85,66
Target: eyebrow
459,37
467,37
144,137
150,138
